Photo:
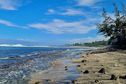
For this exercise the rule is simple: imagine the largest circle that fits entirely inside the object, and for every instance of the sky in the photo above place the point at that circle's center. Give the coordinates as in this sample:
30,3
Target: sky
52,22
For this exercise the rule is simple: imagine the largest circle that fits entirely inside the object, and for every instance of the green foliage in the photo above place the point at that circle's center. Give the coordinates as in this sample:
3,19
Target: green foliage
112,27
115,28
92,44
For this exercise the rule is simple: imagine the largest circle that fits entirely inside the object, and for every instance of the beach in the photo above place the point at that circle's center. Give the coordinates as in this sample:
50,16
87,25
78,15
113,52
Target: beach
64,66
107,67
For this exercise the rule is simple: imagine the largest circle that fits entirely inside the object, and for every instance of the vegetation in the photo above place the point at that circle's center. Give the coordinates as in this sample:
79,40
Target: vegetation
115,28
92,44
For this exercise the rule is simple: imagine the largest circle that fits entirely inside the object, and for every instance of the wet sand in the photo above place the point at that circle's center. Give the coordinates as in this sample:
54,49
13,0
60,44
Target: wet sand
57,74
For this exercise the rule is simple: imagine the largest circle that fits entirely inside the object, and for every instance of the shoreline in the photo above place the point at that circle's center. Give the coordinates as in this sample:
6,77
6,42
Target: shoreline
92,67
60,72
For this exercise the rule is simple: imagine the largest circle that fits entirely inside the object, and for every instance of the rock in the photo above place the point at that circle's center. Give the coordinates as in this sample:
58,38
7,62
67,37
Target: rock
84,61
78,65
81,71
87,53
66,68
122,77
37,82
83,56
86,72
113,77
96,81
73,81
47,80
102,70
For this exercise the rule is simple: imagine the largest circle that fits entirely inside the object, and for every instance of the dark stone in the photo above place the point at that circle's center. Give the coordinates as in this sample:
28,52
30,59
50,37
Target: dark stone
86,72
37,82
96,81
87,53
73,81
78,65
113,77
66,69
102,70
84,61
122,77
65,66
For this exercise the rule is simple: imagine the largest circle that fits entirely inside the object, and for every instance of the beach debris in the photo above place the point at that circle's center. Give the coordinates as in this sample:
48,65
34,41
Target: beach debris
122,77
113,77
86,72
102,70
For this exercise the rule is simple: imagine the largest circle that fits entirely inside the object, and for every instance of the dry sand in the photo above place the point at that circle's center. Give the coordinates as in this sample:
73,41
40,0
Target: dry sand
102,68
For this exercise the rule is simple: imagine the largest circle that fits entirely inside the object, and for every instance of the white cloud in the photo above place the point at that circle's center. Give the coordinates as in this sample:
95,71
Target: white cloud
7,23
9,4
68,12
51,11
60,26
89,39
12,4
71,12
10,24
87,2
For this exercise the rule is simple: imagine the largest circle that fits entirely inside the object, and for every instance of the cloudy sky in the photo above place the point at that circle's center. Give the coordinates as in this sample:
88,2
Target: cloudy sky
51,22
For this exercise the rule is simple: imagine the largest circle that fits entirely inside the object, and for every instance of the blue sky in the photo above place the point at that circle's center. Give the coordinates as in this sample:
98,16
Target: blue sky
51,22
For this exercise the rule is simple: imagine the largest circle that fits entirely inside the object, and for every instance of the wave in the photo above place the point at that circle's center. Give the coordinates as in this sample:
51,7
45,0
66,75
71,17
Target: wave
12,45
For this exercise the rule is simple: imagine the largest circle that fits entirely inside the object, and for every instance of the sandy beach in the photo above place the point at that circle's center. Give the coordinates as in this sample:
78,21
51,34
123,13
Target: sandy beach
102,68
93,68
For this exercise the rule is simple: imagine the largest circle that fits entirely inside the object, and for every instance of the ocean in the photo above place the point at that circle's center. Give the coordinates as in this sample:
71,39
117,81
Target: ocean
17,63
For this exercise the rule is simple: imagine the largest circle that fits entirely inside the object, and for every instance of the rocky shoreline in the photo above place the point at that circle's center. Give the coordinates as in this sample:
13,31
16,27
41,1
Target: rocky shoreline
101,66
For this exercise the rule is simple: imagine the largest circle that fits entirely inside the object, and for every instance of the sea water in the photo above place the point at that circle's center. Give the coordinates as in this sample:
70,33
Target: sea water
17,63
